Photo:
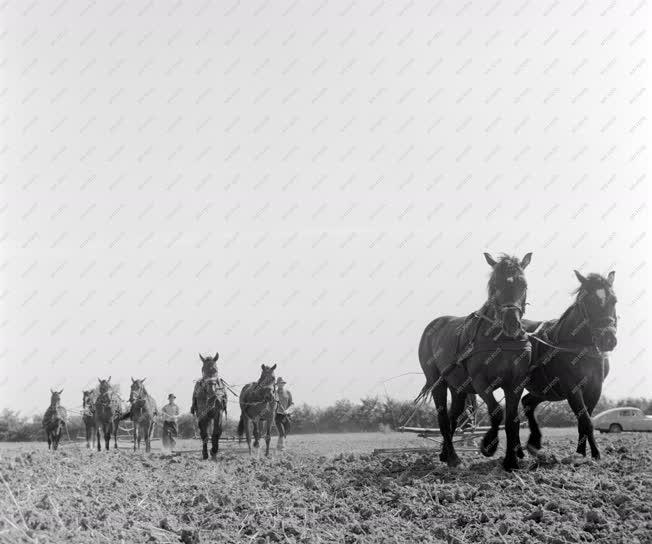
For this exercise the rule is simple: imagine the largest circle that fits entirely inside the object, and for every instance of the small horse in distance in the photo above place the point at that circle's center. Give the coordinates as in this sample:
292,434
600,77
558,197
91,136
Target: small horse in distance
209,403
88,415
143,413
54,419
108,410
478,354
570,358
258,402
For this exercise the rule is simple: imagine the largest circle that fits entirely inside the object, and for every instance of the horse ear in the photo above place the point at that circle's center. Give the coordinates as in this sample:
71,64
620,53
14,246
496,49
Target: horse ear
51,391
201,357
143,380
99,380
132,379
217,356
272,368
526,260
490,260
60,392
611,277
262,366
108,379
579,276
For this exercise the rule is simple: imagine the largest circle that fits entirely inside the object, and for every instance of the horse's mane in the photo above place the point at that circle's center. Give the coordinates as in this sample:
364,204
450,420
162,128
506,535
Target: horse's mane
593,282
506,265
114,389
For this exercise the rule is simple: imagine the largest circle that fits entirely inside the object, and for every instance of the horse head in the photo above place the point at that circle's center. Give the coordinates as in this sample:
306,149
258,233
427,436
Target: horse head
596,302
55,397
105,385
508,291
137,390
267,378
209,365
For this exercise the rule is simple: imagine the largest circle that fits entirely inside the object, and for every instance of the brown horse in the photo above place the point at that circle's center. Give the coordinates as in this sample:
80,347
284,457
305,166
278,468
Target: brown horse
570,360
209,405
478,354
258,402
108,409
143,414
88,414
54,419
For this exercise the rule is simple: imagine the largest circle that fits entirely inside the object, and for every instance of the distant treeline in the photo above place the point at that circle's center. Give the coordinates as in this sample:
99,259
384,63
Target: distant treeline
370,414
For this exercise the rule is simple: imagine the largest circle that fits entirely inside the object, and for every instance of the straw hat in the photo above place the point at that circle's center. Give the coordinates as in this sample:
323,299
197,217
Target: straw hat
280,381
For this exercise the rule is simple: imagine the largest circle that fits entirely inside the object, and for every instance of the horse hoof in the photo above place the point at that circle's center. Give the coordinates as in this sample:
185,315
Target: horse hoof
489,451
510,464
454,461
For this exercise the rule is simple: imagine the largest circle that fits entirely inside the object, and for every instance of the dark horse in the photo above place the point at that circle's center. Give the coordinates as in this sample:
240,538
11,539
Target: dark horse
570,357
54,419
88,415
258,404
478,354
108,410
209,405
143,413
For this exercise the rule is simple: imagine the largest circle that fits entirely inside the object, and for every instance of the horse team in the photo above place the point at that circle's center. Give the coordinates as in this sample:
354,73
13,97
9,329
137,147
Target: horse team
102,410
560,359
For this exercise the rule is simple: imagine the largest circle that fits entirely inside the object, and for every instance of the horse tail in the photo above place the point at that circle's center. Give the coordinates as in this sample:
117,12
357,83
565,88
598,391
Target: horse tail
241,425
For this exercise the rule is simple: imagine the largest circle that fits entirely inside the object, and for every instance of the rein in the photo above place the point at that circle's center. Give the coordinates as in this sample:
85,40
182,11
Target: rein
570,347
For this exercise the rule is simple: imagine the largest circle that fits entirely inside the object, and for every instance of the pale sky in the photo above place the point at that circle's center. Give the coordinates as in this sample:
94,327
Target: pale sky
308,184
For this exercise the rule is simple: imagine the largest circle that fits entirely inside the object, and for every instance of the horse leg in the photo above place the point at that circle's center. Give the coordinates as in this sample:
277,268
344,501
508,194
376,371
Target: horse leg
148,437
89,431
204,438
489,443
268,433
584,423
107,436
59,436
134,433
217,433
49,435
256,425
247,432
530,403
448,455
591,398
99,439
116,425
458,402
512,426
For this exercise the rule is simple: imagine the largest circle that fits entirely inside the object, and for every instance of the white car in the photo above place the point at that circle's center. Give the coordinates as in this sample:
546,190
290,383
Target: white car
623,418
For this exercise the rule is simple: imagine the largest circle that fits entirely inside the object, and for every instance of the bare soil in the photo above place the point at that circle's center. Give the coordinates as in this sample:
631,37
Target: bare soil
326,488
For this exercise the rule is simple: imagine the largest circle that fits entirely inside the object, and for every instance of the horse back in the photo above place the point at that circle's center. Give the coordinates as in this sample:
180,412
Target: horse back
439,345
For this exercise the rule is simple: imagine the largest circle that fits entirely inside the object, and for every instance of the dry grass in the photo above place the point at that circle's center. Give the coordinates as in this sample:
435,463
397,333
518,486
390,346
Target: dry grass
307,494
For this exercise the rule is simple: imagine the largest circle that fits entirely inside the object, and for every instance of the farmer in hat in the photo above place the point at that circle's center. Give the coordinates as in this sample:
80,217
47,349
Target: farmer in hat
284,408
170,416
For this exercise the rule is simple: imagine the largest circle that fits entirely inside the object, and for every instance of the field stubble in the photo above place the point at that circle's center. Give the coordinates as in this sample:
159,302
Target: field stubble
325,488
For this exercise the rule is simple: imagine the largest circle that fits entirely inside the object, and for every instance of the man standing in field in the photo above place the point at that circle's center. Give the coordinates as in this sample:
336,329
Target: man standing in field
170,416
284,408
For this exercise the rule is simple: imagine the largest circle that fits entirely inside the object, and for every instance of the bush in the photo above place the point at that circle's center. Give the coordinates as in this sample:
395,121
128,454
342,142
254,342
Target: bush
370,414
